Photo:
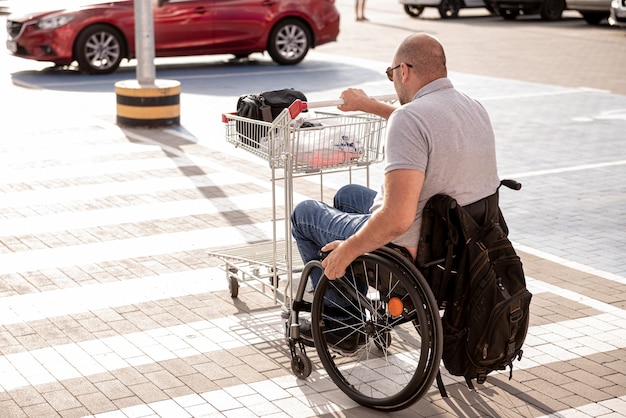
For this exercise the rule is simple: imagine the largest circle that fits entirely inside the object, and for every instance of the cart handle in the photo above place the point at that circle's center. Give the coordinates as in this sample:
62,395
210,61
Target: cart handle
299,106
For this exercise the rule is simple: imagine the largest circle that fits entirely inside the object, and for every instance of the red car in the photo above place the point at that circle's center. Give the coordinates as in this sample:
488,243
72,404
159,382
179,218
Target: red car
99,34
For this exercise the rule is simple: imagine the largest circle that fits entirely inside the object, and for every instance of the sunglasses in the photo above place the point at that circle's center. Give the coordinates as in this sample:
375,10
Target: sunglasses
390,70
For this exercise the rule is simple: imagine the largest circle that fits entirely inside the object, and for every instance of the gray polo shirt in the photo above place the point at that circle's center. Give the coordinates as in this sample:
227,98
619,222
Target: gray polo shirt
448,136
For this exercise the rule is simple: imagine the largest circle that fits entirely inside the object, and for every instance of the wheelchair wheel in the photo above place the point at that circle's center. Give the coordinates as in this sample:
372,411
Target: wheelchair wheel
381,348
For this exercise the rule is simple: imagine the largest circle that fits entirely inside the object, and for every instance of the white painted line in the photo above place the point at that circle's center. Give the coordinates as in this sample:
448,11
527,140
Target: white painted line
614,407
560,92
565,169
132,214
570,264
77,153
84,167
76,255
54,303
281,396
75,360
94,191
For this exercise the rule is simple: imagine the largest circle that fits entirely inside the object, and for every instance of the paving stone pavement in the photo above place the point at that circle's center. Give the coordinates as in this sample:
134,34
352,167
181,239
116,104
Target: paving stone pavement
110,306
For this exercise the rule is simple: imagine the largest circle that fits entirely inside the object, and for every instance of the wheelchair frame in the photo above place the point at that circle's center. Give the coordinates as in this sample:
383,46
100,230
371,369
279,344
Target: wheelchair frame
393,331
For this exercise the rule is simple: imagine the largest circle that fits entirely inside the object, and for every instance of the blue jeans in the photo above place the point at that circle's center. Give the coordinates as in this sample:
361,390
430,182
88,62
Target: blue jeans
315,224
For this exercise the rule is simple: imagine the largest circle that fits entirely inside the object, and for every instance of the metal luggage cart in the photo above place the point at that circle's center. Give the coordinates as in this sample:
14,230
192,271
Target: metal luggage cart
299,145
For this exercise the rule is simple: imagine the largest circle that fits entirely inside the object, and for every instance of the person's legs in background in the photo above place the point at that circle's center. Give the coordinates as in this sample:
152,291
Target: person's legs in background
360,10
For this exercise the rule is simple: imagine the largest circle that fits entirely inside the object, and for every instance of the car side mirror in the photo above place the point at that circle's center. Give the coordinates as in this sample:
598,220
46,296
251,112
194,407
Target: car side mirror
160,2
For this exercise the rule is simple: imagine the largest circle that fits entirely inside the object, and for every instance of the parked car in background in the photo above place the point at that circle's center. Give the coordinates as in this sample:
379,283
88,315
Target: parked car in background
547,9
593,11
99,34
447,8
617,15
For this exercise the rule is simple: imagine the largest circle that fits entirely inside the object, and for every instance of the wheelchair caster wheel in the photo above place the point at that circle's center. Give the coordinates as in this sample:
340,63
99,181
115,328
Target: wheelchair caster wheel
301,366
233,286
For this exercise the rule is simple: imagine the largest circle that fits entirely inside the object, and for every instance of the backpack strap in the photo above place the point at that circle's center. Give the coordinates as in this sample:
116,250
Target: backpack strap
437,221
447,272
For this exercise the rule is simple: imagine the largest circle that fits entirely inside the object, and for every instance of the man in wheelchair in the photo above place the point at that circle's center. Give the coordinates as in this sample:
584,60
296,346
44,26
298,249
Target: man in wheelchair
439,141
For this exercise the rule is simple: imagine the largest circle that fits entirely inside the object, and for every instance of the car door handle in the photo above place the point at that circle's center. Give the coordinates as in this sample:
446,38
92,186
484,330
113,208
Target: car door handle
200,10
268,2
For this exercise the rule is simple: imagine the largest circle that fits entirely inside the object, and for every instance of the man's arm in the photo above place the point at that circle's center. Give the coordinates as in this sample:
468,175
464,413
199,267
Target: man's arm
356,99
392,219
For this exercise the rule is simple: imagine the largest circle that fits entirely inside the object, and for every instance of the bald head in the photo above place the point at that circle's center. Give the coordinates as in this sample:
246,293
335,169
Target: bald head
425,54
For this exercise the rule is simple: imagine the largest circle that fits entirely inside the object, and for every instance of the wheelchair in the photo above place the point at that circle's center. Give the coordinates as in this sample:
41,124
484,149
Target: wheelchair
378,330
382,345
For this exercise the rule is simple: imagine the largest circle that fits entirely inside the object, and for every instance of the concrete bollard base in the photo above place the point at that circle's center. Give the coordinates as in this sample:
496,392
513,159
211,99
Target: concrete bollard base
152,106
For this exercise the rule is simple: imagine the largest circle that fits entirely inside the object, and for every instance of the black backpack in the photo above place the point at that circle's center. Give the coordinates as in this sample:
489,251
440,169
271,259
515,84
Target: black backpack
479,281
263,107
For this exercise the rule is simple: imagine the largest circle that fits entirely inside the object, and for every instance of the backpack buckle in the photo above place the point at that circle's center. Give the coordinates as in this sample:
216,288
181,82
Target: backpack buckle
516,315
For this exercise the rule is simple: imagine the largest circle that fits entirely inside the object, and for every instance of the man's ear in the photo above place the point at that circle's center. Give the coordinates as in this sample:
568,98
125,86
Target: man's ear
405,72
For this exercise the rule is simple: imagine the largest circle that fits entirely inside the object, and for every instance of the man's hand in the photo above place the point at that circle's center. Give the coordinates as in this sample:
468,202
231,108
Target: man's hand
353,99
357,99
336,263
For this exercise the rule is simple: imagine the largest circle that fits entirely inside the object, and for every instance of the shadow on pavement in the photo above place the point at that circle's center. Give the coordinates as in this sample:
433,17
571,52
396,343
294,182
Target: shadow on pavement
175,143
216,77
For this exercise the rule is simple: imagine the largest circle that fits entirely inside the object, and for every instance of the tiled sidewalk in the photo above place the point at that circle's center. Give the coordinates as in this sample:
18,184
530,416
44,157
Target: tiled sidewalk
110,306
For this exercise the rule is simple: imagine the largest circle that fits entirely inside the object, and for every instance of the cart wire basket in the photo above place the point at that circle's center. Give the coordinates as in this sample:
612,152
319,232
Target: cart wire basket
316,142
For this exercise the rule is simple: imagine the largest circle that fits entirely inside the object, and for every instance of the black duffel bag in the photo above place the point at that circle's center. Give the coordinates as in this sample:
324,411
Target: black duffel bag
263,106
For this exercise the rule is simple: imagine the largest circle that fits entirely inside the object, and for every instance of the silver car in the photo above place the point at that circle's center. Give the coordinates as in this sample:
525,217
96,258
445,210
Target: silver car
618,13
593,11
447,8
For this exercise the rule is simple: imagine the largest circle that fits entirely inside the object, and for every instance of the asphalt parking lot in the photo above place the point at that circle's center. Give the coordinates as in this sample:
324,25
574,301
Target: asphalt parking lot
567,53
110,306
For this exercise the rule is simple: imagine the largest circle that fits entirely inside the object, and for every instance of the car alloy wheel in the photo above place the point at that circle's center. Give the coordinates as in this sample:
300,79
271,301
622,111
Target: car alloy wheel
99,49
289,42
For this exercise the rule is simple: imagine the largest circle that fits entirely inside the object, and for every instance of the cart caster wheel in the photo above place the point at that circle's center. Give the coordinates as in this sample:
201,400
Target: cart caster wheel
301,366
274,281
233,286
